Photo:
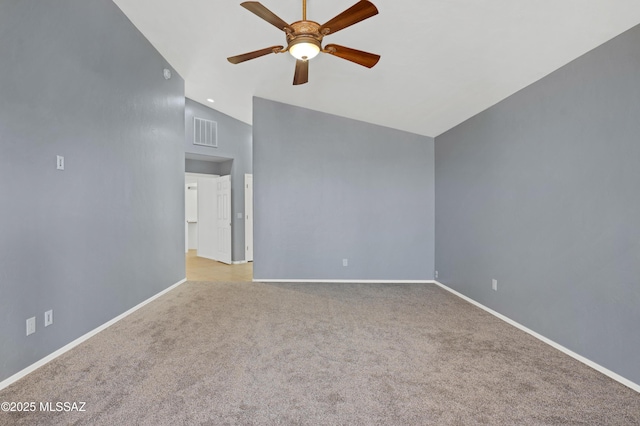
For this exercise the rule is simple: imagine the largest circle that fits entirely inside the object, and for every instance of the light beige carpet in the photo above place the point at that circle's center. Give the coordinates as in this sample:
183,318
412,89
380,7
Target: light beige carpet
319,354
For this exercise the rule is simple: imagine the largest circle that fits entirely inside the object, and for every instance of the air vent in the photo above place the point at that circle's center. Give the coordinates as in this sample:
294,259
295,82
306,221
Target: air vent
205,132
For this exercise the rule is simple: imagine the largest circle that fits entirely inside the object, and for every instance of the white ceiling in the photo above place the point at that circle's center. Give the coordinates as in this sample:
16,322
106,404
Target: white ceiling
443,61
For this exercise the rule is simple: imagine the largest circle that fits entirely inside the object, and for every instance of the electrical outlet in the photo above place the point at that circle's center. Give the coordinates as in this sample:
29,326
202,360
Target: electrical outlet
345,262
31,325
48,318
494,284
436,274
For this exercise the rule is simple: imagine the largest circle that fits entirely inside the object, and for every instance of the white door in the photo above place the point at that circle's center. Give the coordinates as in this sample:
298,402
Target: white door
207,221
223,219
248,218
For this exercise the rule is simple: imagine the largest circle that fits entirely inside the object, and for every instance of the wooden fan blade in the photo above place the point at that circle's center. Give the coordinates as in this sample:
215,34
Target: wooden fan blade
358,12
266,14
357,56
253,55
301,75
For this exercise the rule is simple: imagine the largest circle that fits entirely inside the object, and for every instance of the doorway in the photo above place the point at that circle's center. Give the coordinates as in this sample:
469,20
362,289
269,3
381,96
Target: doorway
208,216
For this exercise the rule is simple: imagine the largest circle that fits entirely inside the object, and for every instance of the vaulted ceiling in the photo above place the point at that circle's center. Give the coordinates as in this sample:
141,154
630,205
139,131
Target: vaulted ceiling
443,61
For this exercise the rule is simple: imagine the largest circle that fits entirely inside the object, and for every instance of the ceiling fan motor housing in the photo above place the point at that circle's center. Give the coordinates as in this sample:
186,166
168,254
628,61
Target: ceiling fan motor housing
304,32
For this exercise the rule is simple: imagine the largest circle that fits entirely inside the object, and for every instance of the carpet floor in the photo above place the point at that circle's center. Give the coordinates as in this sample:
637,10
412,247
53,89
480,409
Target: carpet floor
318,354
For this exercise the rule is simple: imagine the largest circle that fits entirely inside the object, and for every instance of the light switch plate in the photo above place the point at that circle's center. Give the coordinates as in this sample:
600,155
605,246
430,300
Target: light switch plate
31,325
60,162
48,318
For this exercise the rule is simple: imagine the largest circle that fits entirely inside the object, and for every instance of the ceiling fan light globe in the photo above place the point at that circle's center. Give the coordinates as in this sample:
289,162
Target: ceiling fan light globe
304,50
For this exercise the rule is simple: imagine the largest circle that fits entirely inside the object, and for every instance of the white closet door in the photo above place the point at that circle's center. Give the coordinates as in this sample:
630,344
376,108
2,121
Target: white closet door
207,220
248,217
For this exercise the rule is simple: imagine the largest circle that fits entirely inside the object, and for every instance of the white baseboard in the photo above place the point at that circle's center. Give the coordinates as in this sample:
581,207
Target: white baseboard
588,362
238,262
82,338
303,281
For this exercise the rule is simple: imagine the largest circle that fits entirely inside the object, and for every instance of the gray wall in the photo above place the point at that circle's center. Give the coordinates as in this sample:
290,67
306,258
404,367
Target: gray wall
77,79
328,188
208,167
234,142
541,192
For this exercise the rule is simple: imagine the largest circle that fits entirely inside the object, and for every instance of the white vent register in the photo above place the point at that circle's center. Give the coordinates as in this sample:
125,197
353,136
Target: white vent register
205,132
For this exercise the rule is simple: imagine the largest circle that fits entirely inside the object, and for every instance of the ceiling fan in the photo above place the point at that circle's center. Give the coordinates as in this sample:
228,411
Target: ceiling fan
304,38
